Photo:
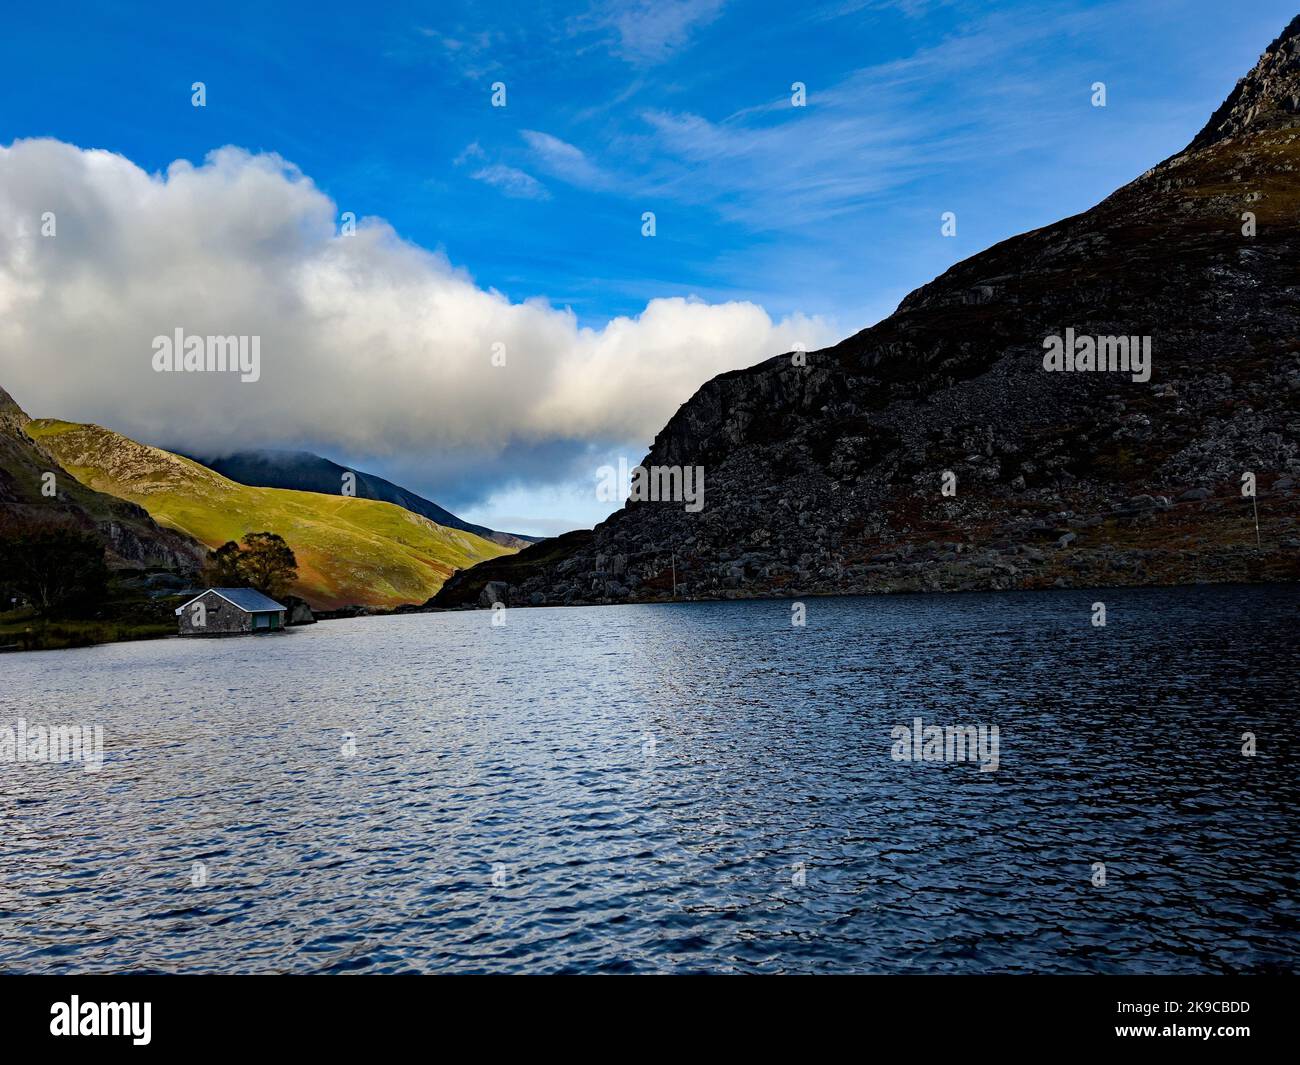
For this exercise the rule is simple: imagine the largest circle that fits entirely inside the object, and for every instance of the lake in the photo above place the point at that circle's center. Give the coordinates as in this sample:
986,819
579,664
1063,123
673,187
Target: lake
673,788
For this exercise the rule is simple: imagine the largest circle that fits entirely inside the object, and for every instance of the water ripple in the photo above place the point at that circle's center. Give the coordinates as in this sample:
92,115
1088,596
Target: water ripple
671,788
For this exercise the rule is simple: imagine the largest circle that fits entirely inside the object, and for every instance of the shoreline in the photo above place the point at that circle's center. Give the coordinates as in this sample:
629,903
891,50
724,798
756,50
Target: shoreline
731,596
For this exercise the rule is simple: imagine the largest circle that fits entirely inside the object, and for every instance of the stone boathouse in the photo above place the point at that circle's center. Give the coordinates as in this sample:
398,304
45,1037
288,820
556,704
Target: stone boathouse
230,612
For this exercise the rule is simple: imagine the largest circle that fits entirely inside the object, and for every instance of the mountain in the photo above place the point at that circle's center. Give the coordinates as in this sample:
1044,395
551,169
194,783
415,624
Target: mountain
132,539
305,472
349,550
828,478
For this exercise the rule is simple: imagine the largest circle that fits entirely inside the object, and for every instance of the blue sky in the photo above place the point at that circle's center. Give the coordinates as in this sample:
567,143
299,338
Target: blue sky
679,107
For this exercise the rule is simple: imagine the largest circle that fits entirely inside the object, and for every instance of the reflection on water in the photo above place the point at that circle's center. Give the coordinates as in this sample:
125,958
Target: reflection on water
671,788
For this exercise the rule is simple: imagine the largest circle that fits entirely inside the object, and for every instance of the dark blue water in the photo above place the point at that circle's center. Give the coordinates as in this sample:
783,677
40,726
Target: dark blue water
672,788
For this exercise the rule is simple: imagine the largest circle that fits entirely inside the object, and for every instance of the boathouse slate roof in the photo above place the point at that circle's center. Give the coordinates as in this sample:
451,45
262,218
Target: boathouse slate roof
248,600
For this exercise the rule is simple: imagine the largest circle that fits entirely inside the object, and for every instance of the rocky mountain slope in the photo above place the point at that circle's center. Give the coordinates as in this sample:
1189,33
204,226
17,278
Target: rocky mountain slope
829,477
132,539
349,550
304,472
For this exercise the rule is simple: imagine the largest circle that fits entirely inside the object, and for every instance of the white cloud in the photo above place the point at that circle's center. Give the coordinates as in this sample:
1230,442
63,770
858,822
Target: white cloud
370,344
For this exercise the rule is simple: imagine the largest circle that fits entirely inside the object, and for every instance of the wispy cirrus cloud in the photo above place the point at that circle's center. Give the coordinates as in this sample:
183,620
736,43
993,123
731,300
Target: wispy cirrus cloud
649,32
864,137
566,161
473,54
510,180
513,182
866,134
843,8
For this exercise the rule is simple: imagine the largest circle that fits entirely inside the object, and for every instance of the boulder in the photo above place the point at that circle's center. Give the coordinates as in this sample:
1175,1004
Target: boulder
494,592
298,612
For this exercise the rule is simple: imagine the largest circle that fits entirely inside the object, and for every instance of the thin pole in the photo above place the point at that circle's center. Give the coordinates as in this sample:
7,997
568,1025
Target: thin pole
1254,502
674,574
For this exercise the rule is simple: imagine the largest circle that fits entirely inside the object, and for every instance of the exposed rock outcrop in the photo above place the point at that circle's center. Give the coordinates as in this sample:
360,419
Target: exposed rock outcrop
1267,98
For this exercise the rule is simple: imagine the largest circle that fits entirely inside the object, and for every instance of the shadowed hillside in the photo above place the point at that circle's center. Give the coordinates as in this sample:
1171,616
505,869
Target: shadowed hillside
302,471
131,538
827,477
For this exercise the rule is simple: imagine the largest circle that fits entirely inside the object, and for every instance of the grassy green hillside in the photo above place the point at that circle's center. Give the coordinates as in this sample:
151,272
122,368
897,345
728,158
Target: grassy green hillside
349,550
